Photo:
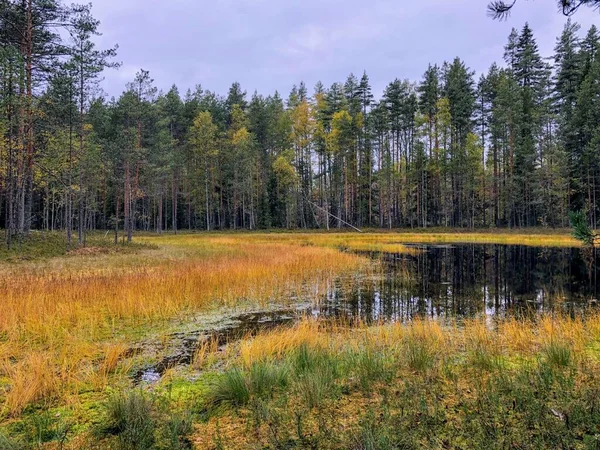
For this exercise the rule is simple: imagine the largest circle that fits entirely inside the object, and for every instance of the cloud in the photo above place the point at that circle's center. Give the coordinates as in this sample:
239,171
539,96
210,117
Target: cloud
270,45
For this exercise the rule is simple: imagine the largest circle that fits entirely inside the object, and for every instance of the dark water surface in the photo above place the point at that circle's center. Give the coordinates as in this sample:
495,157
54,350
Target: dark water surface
452,281
469,280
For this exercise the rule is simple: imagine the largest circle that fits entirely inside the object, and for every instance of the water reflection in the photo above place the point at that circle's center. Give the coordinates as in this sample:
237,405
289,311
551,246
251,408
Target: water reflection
470,280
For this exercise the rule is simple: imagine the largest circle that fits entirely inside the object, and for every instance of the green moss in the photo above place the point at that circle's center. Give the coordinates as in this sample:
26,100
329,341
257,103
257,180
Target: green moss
40,245
467,401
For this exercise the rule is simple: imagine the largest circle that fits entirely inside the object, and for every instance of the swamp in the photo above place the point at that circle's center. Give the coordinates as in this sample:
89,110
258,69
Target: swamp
324,225
303,340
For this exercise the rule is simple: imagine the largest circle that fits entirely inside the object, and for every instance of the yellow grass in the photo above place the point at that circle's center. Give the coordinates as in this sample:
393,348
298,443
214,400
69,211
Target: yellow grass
509,337
55,317
65,323
513,343
534,240
396,241
280,342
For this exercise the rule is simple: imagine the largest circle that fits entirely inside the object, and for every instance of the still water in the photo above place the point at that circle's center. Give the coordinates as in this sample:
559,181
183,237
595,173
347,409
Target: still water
457,281
470,280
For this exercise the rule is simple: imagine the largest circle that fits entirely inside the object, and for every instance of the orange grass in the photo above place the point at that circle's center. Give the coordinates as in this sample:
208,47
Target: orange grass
510,337
63,321
56,317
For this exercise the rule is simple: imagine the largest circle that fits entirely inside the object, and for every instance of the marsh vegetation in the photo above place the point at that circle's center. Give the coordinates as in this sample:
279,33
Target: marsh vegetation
302,340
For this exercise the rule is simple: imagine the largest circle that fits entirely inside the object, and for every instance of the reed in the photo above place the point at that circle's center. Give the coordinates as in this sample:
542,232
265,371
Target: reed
58,318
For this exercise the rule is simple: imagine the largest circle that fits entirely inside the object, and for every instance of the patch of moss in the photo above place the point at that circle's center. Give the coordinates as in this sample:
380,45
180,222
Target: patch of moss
39,245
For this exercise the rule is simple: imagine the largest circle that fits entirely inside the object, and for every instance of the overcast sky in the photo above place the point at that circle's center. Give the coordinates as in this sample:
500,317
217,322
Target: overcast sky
270,45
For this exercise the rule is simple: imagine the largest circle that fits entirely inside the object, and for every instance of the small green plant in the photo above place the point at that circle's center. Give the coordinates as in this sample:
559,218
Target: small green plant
229,388
260,412
45,427
176,432
558,355
370,367
316,372
418,356
264,378
129,416
316,385
484,360
305,358
372,435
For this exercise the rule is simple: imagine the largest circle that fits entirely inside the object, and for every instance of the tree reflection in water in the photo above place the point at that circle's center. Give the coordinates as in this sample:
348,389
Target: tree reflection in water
470,280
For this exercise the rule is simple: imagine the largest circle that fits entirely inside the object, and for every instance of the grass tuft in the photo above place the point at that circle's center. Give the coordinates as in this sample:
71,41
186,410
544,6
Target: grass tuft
264,378
130,417
370,366
230,388
558,355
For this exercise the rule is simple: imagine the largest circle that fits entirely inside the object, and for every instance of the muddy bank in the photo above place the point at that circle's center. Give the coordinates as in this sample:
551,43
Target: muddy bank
179,348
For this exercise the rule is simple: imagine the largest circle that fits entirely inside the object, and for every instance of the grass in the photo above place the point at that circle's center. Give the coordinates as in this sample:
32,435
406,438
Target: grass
129,417
68,322
459,387
43,245
64,323
136,420
395,241
558,355
231,388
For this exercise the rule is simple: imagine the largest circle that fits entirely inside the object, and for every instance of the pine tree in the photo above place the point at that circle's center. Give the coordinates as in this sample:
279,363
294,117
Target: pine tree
531,74
86,64
202,138
459,90
569,71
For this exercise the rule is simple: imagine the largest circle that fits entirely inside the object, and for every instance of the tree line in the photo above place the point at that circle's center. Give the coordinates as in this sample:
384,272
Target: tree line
518,147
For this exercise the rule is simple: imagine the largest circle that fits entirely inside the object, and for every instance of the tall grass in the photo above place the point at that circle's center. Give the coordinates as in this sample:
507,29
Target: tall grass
66,323
58,319
558,355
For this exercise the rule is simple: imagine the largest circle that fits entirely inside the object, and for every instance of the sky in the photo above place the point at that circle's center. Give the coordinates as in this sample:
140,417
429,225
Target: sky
269,45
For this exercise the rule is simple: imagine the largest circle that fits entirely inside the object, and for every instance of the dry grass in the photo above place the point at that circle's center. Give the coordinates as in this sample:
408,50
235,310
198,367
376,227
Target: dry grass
534,240
56,317
277,343
511,338
64,322
395,242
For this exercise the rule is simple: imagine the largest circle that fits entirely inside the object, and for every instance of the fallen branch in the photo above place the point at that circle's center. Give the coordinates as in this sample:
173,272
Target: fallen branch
335,217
